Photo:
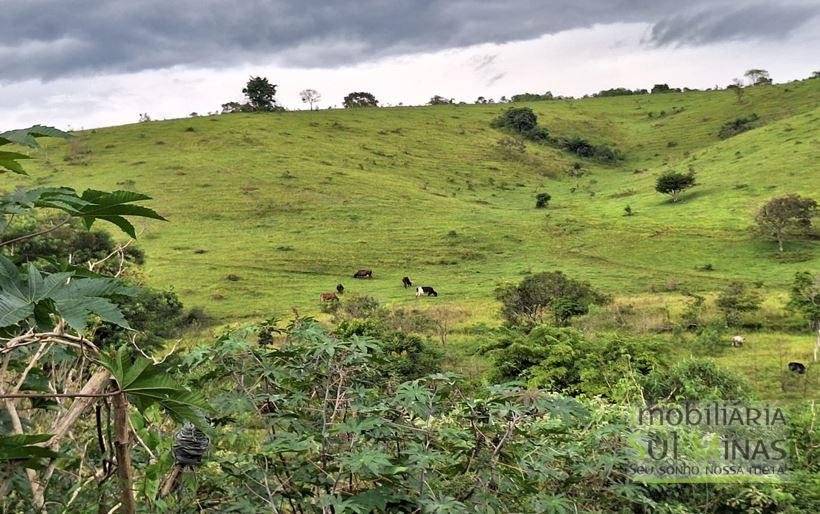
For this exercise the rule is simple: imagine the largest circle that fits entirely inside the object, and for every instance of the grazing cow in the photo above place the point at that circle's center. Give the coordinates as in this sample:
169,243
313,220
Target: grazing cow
328,297
429,291
363,273
340,288
406,282
737,341
797,367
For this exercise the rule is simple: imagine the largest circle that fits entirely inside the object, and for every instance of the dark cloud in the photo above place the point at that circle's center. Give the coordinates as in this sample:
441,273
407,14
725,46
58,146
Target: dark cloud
52,38
733,21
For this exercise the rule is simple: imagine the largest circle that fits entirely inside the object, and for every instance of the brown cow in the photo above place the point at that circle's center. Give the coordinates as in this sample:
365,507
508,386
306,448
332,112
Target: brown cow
363,273
328,297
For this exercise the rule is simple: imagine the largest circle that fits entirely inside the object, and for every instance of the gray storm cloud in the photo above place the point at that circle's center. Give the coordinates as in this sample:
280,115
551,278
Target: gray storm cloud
48,39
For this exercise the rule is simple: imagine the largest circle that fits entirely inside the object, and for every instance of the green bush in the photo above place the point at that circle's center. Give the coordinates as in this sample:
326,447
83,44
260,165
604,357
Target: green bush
695,379
541,200
738,125
583,148
406,357
522,121
563,360
547,295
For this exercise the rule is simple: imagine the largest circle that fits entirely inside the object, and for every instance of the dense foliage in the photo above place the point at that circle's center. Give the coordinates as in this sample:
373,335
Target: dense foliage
673,183
549,295
522,121
260,93
785,216
738,125
360,99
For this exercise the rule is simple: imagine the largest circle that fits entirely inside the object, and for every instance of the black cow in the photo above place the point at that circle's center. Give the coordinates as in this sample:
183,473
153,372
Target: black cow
429,291
340,288
797,367
406,282
363,273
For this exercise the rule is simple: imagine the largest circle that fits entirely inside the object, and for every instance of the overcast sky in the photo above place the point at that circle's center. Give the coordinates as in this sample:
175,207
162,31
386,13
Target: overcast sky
89,63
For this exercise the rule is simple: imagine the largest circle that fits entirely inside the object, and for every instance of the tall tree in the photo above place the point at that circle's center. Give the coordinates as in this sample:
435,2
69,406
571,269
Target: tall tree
360,99
260,94
758,77
673,183
552,293
804,298
786,215
310,96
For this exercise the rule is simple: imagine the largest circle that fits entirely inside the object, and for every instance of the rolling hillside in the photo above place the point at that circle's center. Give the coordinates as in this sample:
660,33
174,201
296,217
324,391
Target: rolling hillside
293,203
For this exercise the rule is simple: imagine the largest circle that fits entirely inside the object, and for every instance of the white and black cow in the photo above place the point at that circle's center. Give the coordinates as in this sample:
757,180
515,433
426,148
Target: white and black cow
429,291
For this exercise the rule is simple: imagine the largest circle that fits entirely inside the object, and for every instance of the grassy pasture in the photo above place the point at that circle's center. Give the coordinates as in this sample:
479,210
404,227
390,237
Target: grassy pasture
293,203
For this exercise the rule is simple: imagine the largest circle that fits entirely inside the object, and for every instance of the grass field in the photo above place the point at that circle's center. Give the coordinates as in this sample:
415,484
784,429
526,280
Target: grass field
293,203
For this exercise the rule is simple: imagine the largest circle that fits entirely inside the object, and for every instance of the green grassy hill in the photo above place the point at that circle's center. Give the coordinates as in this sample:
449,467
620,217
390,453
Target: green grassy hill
293,203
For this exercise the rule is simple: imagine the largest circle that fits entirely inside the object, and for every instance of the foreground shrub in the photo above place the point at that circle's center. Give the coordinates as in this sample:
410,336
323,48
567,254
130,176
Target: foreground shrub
312,427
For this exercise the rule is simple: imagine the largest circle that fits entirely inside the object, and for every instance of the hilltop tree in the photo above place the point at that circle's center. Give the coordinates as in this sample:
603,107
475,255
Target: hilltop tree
360,99
664,88
538,296
310,96
784,216
758,77
260,94
440,100
673,183
736,300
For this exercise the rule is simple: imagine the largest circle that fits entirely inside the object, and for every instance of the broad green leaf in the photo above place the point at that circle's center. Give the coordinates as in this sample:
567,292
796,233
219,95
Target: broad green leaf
27,136
147,384
8,160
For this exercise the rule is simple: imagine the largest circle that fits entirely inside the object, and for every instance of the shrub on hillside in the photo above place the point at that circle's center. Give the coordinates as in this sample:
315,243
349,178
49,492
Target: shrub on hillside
738,125
736,301
583,148
673,183
541,200
522,121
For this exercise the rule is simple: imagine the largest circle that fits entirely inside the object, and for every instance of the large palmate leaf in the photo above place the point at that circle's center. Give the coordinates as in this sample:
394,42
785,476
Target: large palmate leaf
30,294
92,205
146,384
25,137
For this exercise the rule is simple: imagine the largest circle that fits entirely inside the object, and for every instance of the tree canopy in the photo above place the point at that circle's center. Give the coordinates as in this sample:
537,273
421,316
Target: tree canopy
260,94
360,99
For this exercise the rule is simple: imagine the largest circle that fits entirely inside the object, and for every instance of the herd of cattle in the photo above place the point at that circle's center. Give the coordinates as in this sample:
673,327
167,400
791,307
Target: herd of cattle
737,341
367,273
